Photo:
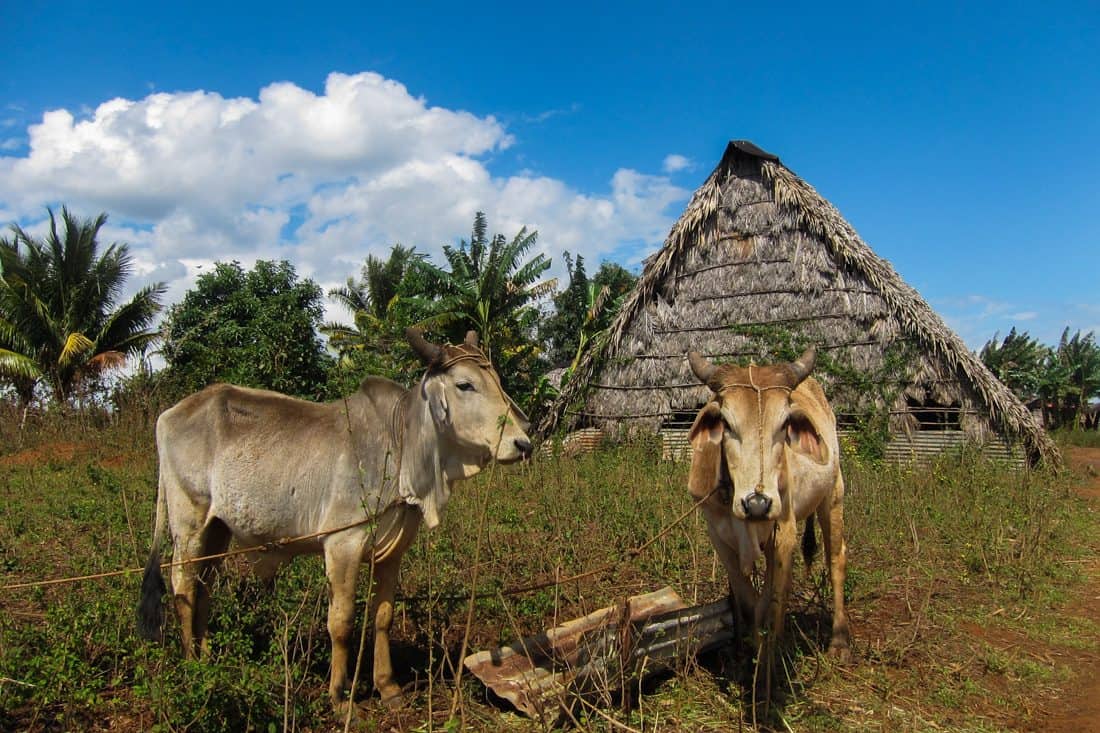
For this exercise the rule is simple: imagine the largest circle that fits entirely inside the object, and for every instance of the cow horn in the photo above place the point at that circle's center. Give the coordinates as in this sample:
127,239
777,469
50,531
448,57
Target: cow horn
429,353
803,365
703,369
471,339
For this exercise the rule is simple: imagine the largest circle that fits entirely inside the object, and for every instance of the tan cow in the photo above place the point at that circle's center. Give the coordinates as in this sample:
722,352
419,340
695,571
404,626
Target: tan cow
765,456
258,466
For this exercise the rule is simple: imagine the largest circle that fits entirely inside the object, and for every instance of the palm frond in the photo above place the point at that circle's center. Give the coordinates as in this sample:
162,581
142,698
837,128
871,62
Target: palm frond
18,366
131,319
76,345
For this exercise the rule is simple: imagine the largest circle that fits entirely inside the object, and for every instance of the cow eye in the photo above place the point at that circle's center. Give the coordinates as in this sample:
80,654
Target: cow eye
466,387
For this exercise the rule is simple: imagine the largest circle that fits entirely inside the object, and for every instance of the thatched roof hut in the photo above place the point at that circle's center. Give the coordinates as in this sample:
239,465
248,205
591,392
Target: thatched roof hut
758,267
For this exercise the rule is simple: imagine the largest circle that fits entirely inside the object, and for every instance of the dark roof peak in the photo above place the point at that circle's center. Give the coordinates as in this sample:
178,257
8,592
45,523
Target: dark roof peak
749,148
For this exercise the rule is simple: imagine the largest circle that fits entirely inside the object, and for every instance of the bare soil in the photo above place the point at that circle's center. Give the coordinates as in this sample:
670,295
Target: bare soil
41,455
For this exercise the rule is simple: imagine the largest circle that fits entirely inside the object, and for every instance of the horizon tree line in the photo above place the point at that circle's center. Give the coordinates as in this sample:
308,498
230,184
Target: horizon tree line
63,327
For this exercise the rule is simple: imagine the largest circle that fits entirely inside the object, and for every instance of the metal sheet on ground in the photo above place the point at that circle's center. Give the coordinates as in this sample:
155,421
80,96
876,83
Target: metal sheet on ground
543,675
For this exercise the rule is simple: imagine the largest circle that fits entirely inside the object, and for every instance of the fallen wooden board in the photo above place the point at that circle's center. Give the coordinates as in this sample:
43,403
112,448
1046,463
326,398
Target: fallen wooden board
543,675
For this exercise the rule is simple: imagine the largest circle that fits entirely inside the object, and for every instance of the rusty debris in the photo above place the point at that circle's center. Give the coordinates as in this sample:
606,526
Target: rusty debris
543,675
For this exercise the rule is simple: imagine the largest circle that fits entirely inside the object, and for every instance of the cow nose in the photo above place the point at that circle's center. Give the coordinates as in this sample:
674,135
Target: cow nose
524,447
756,506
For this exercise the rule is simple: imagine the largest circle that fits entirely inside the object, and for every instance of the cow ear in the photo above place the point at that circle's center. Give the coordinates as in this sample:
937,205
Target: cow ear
420,469
706,454
437,402
804,437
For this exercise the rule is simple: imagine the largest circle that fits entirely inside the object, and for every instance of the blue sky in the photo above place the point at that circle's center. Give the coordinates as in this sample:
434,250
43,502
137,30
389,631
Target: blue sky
961,141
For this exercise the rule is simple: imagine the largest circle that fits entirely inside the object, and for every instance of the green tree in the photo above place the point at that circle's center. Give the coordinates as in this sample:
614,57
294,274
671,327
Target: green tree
561,331
375,341
619,282
256,328
1018,361
488,288
584,310
1075,366
60,321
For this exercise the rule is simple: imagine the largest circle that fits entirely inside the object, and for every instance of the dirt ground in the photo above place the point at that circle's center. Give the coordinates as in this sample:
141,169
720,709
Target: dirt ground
1078,711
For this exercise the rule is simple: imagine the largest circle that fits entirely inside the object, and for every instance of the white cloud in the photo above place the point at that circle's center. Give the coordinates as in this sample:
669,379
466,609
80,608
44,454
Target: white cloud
674,163
551,113
320,179
977,318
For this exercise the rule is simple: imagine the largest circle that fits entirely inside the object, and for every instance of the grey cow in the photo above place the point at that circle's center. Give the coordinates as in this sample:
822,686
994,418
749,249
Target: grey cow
258,466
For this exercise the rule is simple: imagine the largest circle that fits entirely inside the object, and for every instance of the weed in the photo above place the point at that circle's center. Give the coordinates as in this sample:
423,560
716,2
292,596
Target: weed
933,554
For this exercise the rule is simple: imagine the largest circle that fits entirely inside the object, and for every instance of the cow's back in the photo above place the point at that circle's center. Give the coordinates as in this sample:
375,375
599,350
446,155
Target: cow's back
266,464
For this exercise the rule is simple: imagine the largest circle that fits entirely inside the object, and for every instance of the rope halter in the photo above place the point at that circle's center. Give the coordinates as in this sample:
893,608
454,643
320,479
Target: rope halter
471,353
452,355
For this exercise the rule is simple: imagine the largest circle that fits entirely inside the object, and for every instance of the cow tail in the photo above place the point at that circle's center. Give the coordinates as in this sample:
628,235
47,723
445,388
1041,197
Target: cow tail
150,610
809,543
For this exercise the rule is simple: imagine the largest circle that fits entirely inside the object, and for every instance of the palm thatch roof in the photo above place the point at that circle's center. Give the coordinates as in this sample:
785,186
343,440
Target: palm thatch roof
760,263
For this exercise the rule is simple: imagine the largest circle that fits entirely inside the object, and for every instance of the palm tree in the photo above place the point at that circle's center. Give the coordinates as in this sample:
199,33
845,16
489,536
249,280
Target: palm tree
373,301
16,366
1017,361
1079,359
488,288
59,322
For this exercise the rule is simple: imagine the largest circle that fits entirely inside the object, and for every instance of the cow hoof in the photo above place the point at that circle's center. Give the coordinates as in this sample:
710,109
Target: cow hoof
340,700
391,695
348,709
840,653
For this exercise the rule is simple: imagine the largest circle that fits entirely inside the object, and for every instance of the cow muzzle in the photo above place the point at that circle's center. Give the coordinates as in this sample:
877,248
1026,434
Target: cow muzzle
756,506
520,449
524,447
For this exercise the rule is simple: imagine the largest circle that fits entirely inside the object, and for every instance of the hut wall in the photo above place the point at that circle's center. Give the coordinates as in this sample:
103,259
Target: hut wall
755,275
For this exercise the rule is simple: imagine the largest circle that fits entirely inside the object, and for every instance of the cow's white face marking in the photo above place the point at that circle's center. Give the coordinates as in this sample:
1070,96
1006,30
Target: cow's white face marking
753,445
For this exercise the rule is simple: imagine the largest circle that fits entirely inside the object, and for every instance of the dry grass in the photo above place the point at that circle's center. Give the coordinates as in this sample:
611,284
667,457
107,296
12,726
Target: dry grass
957,573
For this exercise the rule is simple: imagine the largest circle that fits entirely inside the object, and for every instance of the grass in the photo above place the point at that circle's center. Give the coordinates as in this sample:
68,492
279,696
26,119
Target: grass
1085,438
957,575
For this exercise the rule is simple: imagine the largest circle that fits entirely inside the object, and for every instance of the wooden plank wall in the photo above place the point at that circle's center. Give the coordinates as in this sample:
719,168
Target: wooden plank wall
922,446
918,447
915,448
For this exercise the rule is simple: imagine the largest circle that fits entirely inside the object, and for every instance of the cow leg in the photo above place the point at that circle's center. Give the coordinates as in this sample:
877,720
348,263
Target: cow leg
216,538
385,585
742,593
187,544
342,557
777,578
831,518
387,559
